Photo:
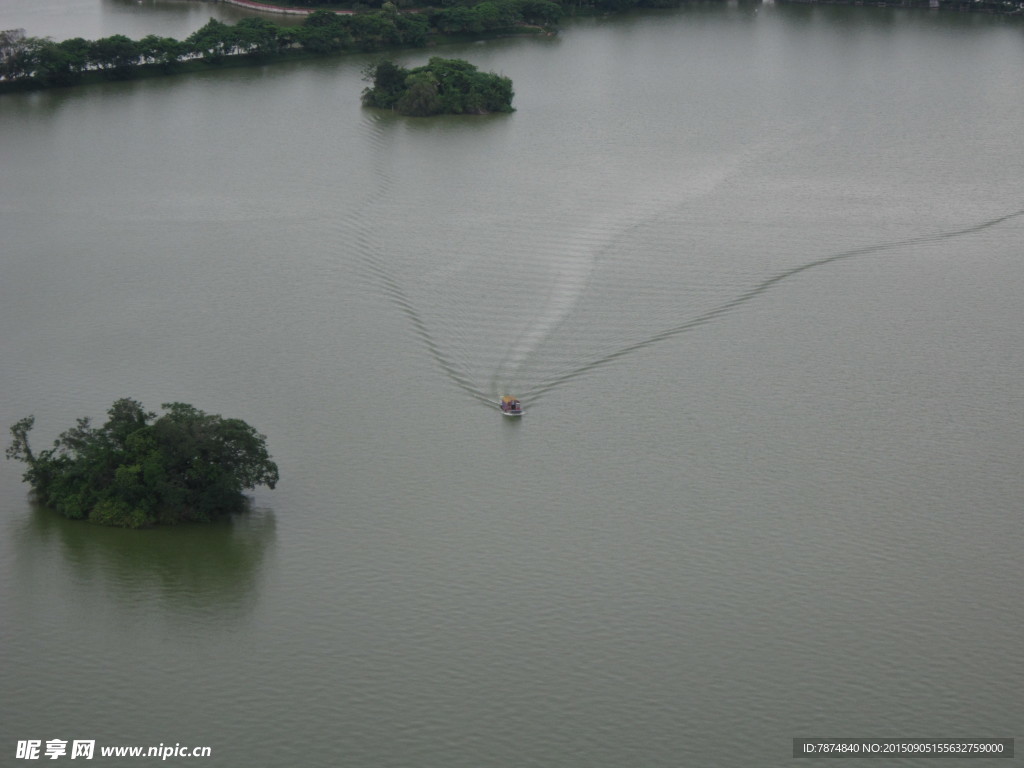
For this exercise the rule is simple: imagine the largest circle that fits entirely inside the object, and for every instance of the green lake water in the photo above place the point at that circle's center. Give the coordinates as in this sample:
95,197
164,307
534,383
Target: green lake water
755,272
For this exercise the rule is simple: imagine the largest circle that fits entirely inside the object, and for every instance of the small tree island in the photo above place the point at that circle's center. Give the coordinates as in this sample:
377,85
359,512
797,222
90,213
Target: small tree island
442,86
138,470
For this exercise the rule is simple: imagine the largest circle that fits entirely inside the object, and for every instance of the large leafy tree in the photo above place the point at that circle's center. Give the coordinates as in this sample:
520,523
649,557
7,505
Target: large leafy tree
325,32
257,36
388,80
165,51
116,54
212,41
420,97
139,470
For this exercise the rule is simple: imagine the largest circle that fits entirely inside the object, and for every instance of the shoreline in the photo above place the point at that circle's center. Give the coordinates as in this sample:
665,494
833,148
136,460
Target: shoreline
962,6
253,6
990,7
237,58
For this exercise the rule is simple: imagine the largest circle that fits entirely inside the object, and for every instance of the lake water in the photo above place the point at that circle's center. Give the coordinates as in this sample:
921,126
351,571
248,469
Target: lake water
755,272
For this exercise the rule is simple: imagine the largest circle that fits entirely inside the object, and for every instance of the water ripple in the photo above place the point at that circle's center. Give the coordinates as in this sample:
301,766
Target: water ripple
559,340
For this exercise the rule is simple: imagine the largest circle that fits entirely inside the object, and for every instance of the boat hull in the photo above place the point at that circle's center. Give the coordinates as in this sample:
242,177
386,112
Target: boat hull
510,406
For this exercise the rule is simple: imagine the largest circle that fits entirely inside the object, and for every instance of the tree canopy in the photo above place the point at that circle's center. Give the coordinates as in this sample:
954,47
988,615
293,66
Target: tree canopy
138,470
41,63
36,62
442,86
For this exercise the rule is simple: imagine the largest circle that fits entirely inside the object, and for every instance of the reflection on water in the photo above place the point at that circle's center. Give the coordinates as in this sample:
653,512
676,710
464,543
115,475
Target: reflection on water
181,569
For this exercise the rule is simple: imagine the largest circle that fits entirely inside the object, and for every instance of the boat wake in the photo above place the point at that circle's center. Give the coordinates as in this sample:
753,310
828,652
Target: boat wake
570,265
534,394
535,358
569,283
380,273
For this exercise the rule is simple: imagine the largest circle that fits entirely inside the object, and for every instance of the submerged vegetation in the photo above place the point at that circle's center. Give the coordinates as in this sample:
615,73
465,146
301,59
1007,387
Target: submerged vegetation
138,470
442,86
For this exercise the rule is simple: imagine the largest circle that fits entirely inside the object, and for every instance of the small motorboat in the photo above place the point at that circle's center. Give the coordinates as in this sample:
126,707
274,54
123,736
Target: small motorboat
510,406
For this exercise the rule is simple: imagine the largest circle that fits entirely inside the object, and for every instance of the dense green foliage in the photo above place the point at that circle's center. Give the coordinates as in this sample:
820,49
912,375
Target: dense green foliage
139,470
606,6
416,4
41,62
34,62
442,86
492,15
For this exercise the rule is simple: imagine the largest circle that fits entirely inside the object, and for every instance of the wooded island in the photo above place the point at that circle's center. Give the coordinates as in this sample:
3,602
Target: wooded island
138,470
442,86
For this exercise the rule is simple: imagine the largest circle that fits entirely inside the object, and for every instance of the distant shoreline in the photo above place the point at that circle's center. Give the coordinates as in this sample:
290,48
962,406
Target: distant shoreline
403,31
41,64
252,6
1013,8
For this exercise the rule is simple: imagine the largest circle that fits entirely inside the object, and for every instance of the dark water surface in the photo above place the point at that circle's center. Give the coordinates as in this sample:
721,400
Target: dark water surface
756,273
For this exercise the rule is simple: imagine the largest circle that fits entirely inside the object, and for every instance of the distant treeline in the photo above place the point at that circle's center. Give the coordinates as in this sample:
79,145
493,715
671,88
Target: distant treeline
1011,7
1007,7
567,6
607,6
36,62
